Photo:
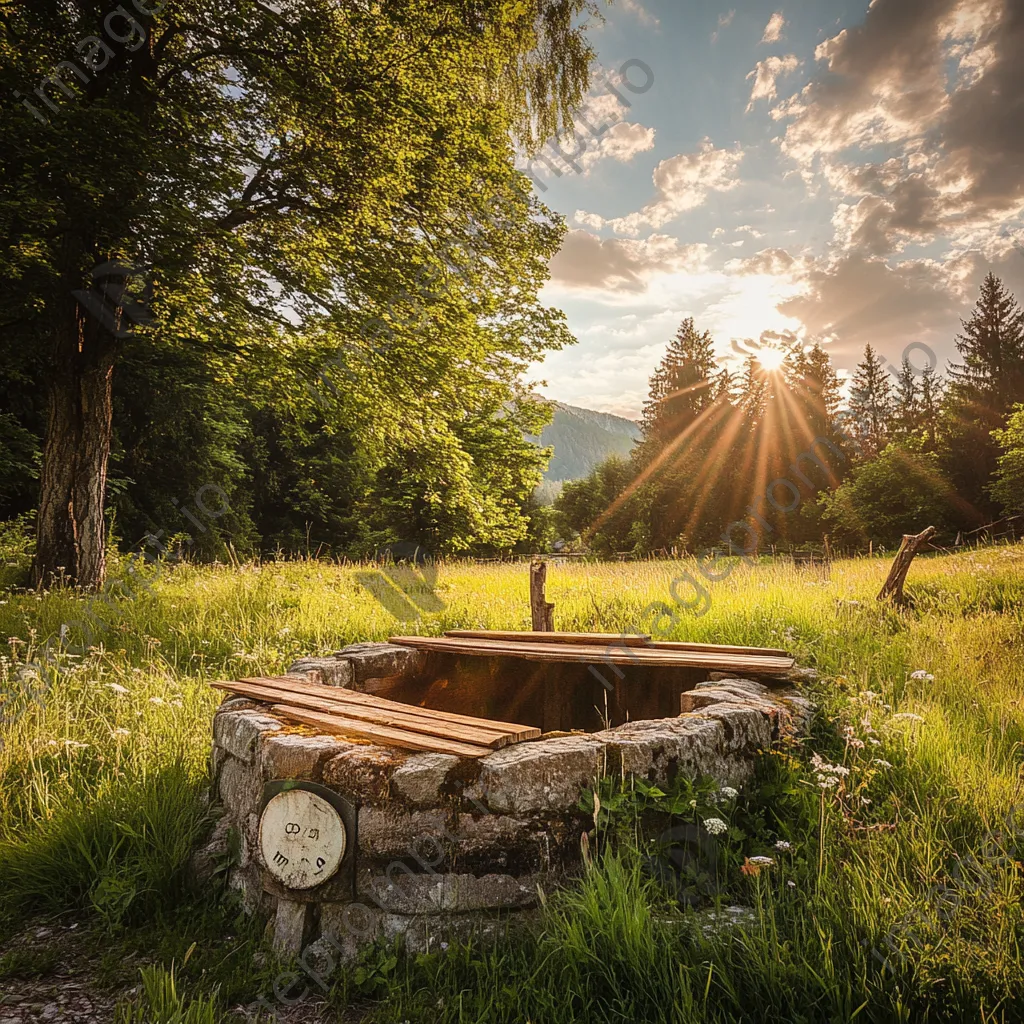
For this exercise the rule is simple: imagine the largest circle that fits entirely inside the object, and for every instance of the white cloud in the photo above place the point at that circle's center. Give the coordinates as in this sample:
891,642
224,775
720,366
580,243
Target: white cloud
724,21
620,264
767,73
682,183
640,13
773,30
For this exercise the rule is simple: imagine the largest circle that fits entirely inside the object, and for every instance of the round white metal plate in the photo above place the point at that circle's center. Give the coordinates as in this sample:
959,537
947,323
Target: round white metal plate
302,839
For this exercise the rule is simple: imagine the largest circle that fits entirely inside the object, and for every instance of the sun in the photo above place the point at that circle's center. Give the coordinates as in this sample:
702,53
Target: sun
771,358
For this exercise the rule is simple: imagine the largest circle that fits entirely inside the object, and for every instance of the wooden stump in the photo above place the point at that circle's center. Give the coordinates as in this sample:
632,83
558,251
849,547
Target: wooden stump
912,543
542,612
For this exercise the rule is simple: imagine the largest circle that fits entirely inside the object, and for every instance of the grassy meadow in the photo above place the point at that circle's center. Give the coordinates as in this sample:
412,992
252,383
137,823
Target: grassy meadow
897,899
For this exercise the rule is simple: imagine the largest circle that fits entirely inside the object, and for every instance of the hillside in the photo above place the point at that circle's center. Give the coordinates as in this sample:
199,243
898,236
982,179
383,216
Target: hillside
581,439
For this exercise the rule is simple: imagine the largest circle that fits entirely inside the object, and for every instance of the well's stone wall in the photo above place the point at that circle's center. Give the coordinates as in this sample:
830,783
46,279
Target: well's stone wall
447,845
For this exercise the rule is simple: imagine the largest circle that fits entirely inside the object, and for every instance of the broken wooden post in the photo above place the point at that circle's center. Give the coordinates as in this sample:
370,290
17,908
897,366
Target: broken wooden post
541,611
912,543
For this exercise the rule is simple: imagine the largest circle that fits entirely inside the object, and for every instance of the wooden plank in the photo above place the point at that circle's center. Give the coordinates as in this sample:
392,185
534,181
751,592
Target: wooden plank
593,654
391,717
295,684
686,645
340,726
529,635
609,640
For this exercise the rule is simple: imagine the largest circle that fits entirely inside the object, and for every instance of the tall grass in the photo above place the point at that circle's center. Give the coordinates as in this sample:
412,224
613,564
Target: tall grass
911,913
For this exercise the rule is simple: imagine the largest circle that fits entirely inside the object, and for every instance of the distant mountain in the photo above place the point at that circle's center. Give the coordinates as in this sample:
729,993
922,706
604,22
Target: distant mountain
581,439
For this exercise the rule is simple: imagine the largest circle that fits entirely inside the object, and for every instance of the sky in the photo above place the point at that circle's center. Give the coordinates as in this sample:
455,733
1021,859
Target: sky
830,171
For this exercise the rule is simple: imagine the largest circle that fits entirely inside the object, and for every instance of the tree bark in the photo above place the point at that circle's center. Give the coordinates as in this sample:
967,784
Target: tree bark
912,543
70,528
541,611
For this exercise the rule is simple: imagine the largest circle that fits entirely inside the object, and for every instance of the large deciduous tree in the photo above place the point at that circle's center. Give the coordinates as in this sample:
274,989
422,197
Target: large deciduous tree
275,184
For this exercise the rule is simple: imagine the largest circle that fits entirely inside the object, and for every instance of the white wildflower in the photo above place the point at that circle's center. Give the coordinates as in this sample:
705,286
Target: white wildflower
117,688
827,781
783,845
921,674
715,826
762,862
791,884
856,743
881,763
156,700
729,793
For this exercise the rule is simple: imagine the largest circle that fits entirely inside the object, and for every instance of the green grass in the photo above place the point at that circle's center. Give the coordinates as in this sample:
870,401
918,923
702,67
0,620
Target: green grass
906,908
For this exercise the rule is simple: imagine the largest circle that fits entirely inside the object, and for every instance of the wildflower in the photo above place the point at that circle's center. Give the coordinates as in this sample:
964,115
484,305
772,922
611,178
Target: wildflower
783,845
693,803
791,884
874,742
907,716
729,793
156,700
444,946
715,826
120,732
921,674
827,781
117,688
869,696
762,862
749,868
881,763
865,801
856,743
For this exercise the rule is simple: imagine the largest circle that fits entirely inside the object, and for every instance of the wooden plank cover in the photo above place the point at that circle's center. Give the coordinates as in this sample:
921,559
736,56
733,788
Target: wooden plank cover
382,734
602,639
595,654
609,640
297,684
392,716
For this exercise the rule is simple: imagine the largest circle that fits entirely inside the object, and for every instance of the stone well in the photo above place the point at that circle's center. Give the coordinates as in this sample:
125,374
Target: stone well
436,846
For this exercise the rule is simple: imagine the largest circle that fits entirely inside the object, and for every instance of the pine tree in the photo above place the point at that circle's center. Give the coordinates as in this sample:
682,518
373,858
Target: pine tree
930,405
992,345
681,388
871,403
816,384
906,417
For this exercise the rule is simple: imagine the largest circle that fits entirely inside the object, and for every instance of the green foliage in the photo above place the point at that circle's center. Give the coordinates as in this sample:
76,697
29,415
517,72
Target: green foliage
901,491
161,1002
1008,486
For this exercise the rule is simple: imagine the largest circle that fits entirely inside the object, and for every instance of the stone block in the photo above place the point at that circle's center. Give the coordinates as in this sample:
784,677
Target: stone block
538,778
329,671
363,773
293,925
659,749
388,833
291,756
239,732
419,780
745,730
400,891
240,789
374,663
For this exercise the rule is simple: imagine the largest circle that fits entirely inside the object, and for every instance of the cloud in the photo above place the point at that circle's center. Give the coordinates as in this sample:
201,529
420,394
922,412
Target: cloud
937,87
774,262
621,265
724,21
773,30
767,73
601,132
640,13
682,183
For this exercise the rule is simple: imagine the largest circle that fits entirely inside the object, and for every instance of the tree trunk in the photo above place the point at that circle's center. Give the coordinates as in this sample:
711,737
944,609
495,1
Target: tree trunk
70,530
541,612
912,543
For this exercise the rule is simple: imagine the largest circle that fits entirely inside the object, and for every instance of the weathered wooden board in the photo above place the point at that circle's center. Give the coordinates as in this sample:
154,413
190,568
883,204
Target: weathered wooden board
650,656
392,715
529,635
384,735
297,684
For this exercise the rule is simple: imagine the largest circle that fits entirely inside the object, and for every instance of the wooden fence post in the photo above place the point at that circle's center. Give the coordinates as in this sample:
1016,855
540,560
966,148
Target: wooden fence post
541,611
893,587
